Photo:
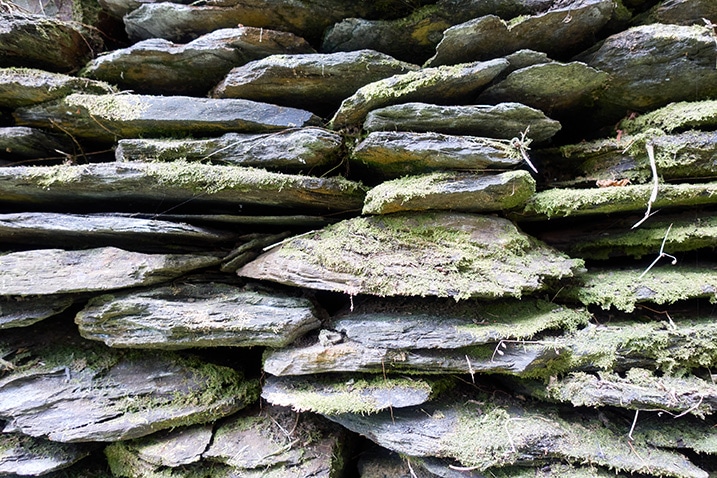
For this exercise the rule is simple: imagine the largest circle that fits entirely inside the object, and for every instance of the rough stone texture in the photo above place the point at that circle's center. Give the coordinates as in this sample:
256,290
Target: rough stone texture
290,150
24,311
673,118
158,66
109,117
22,455
503,121
681,12
18,143
459,83
196,315
318,82
451,191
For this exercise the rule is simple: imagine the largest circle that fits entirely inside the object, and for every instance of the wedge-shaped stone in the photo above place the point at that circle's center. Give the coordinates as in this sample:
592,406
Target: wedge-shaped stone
24,311
22,455
163,185
291,150
28,86
559,32
318,82
109,117
57,271
430,254
196,315
502,121
18,144
456,84
451,191
70,390
674,117
391,154
158,66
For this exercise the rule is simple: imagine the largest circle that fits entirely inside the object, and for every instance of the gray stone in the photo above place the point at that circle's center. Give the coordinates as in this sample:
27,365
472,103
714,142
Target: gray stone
26,456
28,86
681,12
196,315
451,191
19,143
394,255
316,82
502,121
24,311
456,84
290,150
56,271
391,154
109,117
673,118
158,66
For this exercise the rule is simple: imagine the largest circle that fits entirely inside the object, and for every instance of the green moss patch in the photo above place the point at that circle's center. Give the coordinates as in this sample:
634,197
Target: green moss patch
675,117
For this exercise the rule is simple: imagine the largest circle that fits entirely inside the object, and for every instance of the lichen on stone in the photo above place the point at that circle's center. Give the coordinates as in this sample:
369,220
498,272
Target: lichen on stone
674,117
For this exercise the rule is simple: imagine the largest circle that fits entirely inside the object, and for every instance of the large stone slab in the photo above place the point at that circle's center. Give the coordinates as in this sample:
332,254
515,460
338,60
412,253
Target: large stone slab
24,311
681,12
109,117
158,66
502,121
22,455
673,118
57,271
429,254
450,85
315,82
19,144
451,191
196,315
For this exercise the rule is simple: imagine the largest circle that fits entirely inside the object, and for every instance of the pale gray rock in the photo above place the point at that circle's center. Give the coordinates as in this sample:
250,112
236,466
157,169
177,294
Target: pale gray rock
681,12
158,66
290,150
109,117
193,315
315,82
57,271
120,8
19,143
22,455
24,311
502,121
452,85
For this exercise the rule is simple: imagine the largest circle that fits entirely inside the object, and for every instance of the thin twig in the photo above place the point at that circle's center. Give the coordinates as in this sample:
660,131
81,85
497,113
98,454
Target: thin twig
660,256
470,370
655,184
634,422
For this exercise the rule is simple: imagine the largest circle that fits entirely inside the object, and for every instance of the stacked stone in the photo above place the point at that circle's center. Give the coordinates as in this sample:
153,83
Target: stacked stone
242,235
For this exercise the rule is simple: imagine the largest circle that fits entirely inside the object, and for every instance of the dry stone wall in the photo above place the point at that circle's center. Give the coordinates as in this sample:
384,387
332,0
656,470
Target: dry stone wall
332,238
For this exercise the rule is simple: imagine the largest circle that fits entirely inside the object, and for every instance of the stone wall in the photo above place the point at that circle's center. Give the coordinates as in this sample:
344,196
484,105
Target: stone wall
406,238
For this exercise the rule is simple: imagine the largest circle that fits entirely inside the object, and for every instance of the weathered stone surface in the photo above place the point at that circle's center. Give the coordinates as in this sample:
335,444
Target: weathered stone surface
391,154
451,191
158,66
24,311
56,271
120,8
196,315
681,12
315,82
26,456
28,86
290,150
456,84
38,41
174,183
429,254
109,117
503,121
558,32
18,143
70,390
672,118
238,221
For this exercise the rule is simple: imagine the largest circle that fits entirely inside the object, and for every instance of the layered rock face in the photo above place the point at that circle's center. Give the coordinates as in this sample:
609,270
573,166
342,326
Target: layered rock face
341,239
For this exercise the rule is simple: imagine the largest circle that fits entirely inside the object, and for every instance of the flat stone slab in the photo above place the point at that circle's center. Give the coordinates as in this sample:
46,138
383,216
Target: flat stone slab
158,66
169,184
29,86
315,82
110,117
57,271
392,154
24,311
22,455
681,12
502,121
451,191
193,315
675,117
559,32
290,150
19,143
459,83
428,254
71,390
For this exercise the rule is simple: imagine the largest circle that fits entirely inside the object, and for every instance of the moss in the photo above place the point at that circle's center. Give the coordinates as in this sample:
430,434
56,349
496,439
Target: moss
674,117
109,107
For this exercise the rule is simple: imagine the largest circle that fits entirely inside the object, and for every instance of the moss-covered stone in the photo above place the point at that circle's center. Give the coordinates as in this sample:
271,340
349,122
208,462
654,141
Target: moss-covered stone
674,117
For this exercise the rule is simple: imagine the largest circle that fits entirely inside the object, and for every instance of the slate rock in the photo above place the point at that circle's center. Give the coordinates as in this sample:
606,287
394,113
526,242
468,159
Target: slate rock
158,66
38,41
451,191
502,121
425,254
22,455
315,82
120,8
673,118
24,311
450,85
57,271
108,117
196,315
681,12
19,143
391,154
28,86
290,150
